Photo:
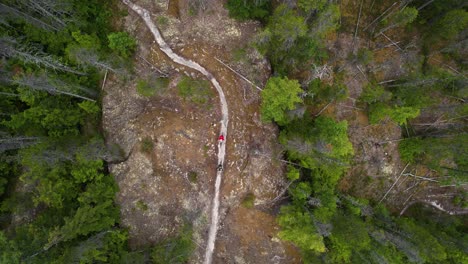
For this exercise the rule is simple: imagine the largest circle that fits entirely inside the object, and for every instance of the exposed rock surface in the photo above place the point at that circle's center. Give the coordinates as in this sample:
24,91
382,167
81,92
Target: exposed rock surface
172,184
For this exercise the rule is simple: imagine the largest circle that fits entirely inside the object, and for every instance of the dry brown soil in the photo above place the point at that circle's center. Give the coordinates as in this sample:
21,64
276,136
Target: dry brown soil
158,192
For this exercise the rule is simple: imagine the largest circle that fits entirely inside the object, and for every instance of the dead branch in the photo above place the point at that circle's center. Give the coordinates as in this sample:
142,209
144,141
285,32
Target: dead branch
153,67
362,72
357,23
325,107
437,120
393,42
420,177
352,107
9,94
416,183
425,4
281,160
321,72
393,185
448,66
408,205
104,81
386,81
280,195
456,98
375,20
454,185
240,75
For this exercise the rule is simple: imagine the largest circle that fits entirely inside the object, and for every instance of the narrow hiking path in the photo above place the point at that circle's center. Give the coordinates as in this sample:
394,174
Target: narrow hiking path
145,15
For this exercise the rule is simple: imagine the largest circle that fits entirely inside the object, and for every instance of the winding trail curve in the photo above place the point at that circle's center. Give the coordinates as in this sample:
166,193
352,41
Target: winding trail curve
145,15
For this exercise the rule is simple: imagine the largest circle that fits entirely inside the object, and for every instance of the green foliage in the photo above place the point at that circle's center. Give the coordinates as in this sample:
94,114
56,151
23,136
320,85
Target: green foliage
47,117
311,5
320,92
68,190
289,42
243,10
297,227
452,23
321,146
86,220
3,184
364,56
147,145
163,21
86,170
380,111
249,200
406,16
151,87
349,235
285,28
326,21
280,38
330,227
90,107
105,247
239,54
293,173
445,155
9,251
410,148
301,191
410,95
86,41
279,96
322,142
401,18
429,248
461,200
198,91
122,43
193,176
175,250
142,205
373,93
98,192
8,171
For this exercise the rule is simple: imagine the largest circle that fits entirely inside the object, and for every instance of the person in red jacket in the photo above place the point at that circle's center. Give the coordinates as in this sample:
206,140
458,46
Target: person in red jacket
221,138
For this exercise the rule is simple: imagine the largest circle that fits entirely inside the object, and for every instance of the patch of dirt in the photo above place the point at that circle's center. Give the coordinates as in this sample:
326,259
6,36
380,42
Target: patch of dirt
156,193
252,236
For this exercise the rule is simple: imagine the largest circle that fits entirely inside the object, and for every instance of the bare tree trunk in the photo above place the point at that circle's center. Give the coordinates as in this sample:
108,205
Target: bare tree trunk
91,57
357,23
49,9
393,42
240,75
44,83
8,10
9,94
10,143
383,13
10,48
425,4
385,195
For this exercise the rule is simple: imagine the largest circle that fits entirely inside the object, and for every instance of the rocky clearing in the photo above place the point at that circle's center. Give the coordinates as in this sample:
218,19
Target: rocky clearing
173,183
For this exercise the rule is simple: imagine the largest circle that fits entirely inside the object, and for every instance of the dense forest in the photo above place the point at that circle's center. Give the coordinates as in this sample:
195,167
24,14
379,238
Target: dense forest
57,198
331,226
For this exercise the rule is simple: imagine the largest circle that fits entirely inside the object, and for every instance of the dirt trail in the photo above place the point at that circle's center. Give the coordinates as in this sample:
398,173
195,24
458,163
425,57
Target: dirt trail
145,15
